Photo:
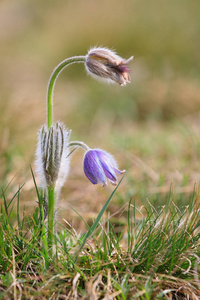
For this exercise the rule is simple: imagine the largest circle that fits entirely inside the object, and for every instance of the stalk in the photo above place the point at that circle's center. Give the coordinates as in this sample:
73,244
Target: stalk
50,90
52,80
51,209
44,239
79,144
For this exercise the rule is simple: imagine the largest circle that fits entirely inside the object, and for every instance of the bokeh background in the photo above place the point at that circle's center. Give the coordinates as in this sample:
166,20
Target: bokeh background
152,126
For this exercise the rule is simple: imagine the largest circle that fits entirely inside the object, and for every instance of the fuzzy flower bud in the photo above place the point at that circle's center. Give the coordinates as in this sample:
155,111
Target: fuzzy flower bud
52,156
99,165
102,63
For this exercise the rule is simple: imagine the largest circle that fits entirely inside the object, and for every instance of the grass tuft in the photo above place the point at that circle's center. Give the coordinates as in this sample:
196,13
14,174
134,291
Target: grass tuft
154,255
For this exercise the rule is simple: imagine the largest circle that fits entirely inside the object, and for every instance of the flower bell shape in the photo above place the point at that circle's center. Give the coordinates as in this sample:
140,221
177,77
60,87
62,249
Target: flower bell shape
102,63
99,165
52,156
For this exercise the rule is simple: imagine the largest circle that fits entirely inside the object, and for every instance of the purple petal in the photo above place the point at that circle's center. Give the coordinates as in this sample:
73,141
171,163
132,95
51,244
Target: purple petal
105,156
109,165
123,69
109,170
93,169
120,172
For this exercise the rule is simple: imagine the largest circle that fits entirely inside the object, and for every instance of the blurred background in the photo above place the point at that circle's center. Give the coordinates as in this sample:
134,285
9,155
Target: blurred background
152,126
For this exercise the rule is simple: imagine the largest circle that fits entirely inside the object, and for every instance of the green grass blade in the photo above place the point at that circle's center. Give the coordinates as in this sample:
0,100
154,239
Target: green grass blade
15,195
44,239
86,224
96,222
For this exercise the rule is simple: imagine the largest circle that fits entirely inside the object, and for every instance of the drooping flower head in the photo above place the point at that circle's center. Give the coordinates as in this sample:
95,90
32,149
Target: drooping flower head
102,63
100,165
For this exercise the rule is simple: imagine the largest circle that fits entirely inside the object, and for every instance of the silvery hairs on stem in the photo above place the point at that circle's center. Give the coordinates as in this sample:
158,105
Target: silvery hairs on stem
52,162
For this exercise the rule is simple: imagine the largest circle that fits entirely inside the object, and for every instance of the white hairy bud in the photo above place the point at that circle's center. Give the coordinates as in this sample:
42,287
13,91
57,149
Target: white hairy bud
52,163
105,64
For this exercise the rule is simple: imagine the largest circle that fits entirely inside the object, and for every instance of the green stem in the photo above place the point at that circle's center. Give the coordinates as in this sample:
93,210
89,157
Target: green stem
51,84
44,239
50,89
51,209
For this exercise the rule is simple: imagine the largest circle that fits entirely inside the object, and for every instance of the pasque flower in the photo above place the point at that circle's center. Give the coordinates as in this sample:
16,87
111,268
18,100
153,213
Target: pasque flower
53,141
103,63
99,165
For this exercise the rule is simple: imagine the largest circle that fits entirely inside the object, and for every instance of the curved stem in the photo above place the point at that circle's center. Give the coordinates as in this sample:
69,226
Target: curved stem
79,144
51,84
51,190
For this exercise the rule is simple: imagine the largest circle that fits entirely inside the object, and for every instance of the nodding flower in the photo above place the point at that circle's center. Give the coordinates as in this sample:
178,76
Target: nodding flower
100,165
102,63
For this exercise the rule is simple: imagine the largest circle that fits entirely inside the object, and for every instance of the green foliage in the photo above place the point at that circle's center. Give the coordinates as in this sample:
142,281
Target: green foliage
155,254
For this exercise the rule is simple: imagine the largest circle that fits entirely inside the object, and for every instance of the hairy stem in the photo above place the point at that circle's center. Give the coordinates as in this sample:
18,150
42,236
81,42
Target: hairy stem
51,209
51,84
79,144
50,90
44,239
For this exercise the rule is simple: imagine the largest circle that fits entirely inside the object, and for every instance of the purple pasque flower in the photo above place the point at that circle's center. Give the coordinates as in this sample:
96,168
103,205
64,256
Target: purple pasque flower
99,165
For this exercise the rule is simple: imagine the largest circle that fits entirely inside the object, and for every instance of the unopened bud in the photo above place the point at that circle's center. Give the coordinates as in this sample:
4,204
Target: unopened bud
102,63
52,155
